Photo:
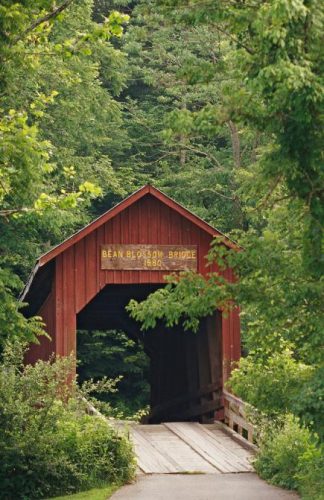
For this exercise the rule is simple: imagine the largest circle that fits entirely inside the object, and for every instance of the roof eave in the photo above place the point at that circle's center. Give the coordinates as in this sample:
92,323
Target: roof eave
112,212
29,282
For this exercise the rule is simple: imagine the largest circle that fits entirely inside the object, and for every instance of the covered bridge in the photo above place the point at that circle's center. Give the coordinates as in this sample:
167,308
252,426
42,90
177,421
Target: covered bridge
86,281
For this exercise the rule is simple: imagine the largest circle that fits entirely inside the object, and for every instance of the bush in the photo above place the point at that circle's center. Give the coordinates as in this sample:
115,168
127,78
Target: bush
48,445
311,475
272,385
280,384
308,402
284,452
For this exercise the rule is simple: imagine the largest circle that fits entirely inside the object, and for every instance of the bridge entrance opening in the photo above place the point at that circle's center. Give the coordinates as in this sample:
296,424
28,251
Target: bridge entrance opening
184,367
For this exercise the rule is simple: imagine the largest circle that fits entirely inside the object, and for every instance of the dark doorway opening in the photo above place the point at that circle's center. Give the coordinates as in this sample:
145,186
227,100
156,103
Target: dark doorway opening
113,354
185,367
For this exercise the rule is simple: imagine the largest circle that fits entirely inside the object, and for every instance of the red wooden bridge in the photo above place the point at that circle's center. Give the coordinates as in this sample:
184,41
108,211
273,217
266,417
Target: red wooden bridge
86,282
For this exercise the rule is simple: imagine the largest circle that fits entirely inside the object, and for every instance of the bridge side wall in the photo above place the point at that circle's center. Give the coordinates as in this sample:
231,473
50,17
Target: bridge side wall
46,346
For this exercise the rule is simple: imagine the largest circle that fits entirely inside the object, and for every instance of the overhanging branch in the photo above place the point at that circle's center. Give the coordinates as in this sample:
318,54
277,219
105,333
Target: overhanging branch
50,15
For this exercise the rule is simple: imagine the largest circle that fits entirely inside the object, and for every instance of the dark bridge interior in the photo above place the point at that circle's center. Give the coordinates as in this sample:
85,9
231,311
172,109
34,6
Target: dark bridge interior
185,367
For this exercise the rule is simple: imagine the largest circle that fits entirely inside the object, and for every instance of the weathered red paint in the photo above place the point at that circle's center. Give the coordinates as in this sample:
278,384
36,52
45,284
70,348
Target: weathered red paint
146,217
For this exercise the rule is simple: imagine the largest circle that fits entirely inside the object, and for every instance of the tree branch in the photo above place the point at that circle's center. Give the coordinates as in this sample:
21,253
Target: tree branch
270,192
50,15
209,156
7,212
235,40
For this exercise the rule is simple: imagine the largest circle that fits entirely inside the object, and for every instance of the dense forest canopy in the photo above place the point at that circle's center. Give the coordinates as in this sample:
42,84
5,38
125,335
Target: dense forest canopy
220,104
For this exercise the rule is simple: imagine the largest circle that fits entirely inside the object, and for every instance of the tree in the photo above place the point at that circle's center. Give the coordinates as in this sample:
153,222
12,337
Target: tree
277,49
175,78
50,64
275,95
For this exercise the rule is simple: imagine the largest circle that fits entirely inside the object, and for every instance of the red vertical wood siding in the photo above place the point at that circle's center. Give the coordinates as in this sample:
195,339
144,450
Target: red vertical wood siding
46,346
78,277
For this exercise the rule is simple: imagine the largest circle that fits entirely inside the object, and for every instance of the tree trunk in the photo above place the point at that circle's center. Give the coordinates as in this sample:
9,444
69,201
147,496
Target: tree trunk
236,145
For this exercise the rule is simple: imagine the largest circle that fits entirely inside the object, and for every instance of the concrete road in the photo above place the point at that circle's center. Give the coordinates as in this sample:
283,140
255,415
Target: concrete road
245,486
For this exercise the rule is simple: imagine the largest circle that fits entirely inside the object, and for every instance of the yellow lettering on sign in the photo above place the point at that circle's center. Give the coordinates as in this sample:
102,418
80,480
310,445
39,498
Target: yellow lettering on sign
151,257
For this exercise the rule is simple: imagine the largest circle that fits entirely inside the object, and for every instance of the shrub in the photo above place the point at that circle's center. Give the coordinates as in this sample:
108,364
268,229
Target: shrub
282,452
280,384
48,445
272,385
311,474
308,402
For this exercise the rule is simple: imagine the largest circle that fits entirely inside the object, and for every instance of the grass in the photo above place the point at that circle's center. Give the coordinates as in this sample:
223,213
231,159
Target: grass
94,494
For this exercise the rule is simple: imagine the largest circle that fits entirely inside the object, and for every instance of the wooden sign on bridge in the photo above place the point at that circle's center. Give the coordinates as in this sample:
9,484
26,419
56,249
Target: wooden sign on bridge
150,257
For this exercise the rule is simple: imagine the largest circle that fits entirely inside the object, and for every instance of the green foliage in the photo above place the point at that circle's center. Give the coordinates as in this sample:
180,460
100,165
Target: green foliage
51,77
24,159
57,124
270,385
114,355
309,401
34,74
280,384
49,446
285,452
174,73
311,474
277,49
13,324
187,297
281,302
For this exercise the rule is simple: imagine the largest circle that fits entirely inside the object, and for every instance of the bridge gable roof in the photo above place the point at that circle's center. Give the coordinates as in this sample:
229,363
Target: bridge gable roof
126,203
